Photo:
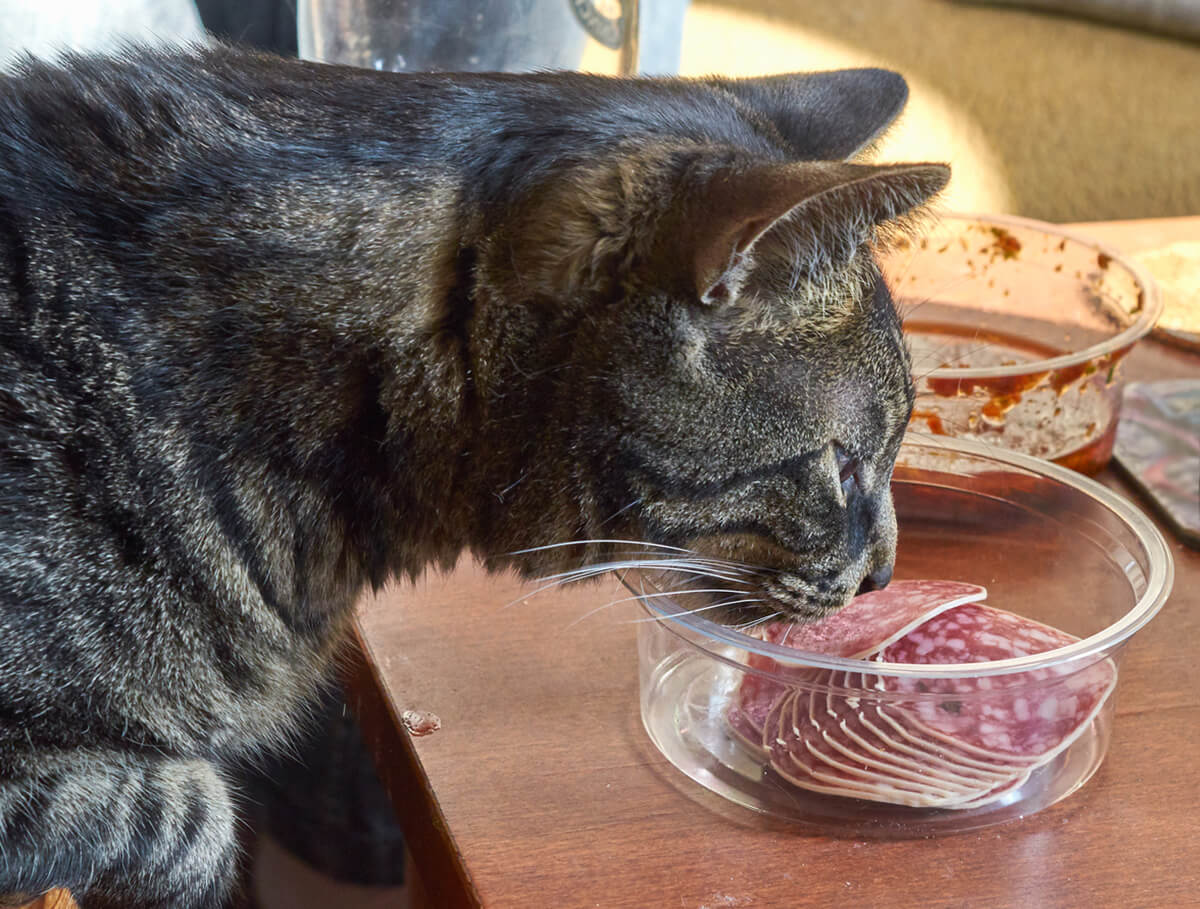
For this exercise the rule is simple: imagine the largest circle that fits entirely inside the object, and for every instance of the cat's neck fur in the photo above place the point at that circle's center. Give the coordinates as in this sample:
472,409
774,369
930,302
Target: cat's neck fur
305,415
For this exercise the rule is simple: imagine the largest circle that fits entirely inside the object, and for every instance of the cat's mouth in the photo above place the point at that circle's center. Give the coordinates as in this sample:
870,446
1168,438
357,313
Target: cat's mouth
710,584
761,582
741,597
805,600
739,602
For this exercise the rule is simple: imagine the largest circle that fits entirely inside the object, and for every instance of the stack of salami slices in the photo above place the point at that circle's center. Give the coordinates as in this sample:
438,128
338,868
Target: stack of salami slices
926,742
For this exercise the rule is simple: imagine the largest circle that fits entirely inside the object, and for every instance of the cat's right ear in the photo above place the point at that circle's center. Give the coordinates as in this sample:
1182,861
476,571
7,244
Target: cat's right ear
823,212
827,116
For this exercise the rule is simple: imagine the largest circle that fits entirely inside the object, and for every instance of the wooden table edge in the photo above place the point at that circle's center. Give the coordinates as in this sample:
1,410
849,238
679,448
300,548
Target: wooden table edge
444,876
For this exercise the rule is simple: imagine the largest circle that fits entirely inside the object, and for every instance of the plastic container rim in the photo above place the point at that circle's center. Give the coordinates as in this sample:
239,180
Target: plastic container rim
1160,575
1146,317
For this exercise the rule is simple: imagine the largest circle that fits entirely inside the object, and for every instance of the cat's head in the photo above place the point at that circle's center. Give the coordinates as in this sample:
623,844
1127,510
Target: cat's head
687,343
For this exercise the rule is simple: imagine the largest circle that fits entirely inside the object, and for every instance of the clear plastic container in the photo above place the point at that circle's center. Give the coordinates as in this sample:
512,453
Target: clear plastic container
1048,545
1018,329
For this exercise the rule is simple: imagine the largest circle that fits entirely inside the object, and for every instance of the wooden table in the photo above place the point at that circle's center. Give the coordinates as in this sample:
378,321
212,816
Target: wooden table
541,789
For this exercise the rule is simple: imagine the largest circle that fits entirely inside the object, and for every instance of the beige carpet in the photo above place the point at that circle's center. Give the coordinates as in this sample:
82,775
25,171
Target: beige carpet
1041,115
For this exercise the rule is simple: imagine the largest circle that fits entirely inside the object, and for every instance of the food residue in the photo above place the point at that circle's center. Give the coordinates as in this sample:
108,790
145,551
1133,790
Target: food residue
420,722
956,742
1005,244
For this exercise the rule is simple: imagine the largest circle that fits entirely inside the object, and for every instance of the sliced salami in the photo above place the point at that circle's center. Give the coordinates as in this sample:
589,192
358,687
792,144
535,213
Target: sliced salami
825,738
892,725
801,754
868,729
753,701
871,621
956,743
1028,716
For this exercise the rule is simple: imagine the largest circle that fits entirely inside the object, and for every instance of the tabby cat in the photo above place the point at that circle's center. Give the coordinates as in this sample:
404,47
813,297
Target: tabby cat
274,332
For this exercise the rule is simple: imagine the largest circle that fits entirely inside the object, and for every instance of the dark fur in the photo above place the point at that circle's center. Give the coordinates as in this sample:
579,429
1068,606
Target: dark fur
274,331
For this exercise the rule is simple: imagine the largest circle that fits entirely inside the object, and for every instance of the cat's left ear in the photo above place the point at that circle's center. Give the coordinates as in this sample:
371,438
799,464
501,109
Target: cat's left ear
826,116
828,210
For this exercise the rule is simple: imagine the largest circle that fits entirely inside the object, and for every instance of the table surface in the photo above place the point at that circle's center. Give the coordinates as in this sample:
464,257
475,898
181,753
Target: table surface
541,788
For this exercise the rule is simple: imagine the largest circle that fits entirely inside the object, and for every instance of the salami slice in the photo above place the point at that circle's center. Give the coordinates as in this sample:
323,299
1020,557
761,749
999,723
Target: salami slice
789,737
825,738
891,725
867,729
801,754
757,694
957,743
873,620
1028,716
869,622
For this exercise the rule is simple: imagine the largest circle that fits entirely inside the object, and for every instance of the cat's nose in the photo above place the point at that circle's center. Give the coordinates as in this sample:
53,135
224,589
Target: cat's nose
876,580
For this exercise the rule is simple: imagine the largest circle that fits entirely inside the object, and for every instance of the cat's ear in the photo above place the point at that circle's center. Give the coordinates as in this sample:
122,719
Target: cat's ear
826,209
827,116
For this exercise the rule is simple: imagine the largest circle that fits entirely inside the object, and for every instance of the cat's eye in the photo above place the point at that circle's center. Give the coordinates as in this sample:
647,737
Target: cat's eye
848,467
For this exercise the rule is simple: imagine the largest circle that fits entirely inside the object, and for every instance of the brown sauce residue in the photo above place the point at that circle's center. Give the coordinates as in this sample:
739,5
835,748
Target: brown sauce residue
932,420
1060,379
1064,376
1005,391
1091,458
982,341
998,405
986,350
1005,244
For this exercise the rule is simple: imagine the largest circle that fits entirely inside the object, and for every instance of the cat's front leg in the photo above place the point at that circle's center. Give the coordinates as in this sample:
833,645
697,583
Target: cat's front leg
137,831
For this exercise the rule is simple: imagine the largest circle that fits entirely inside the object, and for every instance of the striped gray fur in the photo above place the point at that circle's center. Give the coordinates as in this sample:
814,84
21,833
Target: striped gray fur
274,333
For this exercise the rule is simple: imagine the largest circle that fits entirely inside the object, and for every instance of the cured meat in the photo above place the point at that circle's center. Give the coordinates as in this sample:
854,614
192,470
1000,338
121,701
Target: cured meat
869,729
955,743
810,747
1025,715
757,694
873,620
867,623
878,722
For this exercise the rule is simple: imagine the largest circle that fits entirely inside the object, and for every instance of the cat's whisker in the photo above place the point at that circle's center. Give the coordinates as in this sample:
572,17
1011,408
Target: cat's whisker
650,596
686,566
696,568
604,606
718,605
907,311
680,592
940,290
918,376
566,543
748,625
643,543
911,308
591,612
694,561
620,511
716,568
933,354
